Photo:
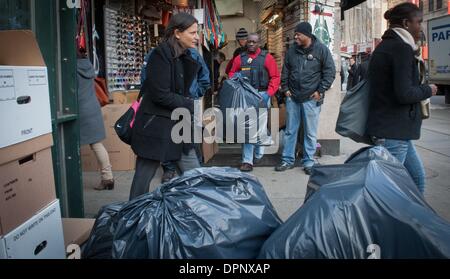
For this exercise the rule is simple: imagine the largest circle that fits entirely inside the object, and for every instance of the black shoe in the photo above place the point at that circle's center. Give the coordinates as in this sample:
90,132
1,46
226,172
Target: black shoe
284,166
307,170
245,167
168,175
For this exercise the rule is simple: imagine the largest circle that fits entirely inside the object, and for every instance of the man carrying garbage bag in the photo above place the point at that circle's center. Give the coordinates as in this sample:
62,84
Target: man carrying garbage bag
262,72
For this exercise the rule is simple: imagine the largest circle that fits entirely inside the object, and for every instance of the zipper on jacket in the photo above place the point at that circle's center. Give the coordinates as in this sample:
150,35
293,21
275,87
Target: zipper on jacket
149,121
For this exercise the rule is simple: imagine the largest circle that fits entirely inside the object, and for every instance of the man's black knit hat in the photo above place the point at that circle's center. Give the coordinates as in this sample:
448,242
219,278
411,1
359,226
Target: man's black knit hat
241,34
305,28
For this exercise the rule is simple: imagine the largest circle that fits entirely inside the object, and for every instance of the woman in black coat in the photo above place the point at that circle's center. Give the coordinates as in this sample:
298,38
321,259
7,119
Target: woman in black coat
170,72
396,92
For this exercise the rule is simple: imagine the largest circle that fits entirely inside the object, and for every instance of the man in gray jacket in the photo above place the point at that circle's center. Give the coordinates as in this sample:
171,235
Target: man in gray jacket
308,72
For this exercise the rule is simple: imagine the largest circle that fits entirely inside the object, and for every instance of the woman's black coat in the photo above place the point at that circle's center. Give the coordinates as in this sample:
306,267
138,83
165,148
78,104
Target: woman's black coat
395,91
165,89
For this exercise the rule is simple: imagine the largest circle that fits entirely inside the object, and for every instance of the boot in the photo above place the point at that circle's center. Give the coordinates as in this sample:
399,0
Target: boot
105,185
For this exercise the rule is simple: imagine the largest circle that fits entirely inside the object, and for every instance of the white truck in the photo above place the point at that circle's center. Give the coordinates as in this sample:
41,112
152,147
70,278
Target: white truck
439,54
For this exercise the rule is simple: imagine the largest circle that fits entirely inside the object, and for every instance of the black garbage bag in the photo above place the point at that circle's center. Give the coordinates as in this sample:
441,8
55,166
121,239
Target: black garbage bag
99,243
244,111
368,207
206,213
353,114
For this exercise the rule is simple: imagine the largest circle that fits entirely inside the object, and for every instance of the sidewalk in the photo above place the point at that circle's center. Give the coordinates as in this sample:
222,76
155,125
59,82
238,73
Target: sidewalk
287,190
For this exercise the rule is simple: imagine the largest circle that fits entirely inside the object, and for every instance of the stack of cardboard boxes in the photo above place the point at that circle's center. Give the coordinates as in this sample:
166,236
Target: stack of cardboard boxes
30,218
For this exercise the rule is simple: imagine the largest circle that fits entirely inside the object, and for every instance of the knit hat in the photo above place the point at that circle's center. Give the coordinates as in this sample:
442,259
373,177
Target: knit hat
305,28
241,34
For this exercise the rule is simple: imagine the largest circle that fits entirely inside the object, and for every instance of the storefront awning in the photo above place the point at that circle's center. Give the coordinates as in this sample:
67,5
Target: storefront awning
348,4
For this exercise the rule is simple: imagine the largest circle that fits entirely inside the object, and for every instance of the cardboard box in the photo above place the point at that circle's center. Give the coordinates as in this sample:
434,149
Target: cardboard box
77,230
26,181
24,93
125,97
209,149
121,156
76,233
40,237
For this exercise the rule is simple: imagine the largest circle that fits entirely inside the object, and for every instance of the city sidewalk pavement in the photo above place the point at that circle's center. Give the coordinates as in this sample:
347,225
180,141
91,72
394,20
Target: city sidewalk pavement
287,189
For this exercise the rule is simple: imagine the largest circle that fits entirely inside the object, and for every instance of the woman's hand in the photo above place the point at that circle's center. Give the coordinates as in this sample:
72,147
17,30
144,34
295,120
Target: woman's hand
434,89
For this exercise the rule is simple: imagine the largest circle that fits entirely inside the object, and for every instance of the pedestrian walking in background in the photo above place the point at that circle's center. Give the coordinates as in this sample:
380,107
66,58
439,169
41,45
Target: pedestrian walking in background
92,129
352,74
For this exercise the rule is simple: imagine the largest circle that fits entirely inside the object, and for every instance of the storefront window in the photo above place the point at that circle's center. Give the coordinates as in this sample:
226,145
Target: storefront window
15,14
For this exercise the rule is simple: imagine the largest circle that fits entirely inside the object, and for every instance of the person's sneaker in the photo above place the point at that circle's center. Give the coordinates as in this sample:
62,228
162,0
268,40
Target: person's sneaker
307,170
284,166
168,175
105,185
245,167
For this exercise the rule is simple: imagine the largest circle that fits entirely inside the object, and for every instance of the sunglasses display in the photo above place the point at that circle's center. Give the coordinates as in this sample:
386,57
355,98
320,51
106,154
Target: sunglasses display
127,40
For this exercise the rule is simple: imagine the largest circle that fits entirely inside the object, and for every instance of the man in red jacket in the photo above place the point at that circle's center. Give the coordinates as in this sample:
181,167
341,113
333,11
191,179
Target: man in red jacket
261,69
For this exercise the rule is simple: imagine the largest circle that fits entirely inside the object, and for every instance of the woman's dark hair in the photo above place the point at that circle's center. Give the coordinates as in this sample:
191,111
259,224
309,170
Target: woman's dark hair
181,21
399,13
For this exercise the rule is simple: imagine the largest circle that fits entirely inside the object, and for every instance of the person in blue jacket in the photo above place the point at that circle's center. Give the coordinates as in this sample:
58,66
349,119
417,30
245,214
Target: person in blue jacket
197,90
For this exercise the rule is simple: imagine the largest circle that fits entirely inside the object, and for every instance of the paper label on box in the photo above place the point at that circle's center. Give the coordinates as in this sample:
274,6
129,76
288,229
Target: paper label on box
37,77
7,91
25,111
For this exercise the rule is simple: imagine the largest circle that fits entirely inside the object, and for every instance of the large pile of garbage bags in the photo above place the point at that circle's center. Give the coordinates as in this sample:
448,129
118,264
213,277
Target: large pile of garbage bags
366,208
206,213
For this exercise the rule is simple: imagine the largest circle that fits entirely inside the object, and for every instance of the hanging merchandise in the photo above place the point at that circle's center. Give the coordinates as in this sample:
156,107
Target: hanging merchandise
96,62
221,34
213,30
127,40
165,18
81,36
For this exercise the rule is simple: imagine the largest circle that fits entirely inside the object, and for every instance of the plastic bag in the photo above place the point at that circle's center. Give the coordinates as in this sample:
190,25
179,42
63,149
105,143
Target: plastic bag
98,245
353,114
244,111
206,213
368,207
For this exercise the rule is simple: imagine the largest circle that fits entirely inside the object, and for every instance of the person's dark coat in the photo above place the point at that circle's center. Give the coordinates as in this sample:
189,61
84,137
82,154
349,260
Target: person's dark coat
395,91
165,89
306,71
92,129
353,75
